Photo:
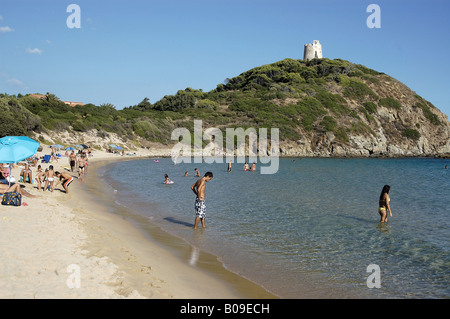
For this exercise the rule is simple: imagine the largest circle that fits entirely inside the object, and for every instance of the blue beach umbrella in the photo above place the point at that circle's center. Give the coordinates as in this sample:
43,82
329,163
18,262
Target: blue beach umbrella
81,146
70,148
115,146
14,149
57,146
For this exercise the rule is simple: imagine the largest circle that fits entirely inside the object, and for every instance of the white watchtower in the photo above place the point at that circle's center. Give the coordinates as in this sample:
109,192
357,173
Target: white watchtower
312,51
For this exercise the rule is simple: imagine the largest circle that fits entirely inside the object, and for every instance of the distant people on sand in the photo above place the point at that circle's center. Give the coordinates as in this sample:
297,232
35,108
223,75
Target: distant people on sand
72,160
383,204
53,154
199,188
82,167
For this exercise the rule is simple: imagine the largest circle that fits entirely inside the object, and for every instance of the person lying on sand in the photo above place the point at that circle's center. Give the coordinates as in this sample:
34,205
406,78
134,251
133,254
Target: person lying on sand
14,188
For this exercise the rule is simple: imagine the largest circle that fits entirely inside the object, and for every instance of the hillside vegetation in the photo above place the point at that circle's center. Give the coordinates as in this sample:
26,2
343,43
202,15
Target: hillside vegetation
322,107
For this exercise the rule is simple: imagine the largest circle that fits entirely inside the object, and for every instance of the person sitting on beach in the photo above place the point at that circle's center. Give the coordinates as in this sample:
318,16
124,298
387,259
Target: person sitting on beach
66,178
197,172
50,176
5,170
2,176
26,172
14,188
32,161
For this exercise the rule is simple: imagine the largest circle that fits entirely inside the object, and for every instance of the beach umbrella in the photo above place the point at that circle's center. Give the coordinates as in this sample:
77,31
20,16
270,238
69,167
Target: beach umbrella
57,146
70,148
115,146
14,149
81,146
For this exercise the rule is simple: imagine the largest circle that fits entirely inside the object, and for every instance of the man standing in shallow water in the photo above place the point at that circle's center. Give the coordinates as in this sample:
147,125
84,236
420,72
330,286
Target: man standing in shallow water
199,190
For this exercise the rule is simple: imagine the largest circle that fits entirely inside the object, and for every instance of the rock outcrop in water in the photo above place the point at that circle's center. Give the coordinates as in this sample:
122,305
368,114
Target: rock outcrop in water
413,128
351,111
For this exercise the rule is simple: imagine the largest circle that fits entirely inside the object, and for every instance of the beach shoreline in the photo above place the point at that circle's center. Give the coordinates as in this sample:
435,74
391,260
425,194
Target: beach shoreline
59,238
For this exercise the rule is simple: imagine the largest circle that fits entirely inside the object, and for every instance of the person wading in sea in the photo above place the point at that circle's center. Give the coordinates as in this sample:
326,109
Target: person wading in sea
199,188
383,204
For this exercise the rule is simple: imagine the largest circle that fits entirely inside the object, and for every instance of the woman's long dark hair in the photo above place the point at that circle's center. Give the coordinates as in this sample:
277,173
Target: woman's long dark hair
386,189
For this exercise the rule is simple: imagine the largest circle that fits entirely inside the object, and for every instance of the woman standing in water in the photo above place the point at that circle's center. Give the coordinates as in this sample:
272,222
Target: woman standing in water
384,206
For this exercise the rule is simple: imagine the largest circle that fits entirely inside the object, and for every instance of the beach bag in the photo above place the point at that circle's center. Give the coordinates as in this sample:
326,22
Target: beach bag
12,199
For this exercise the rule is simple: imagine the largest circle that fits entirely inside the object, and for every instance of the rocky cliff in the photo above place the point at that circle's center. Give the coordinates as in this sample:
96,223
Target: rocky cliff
413,128
353,111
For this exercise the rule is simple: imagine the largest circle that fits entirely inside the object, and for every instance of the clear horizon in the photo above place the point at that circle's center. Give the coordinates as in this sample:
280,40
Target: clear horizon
126,51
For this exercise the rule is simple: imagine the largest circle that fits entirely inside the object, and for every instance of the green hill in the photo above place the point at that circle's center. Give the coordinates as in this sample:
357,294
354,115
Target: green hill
322,107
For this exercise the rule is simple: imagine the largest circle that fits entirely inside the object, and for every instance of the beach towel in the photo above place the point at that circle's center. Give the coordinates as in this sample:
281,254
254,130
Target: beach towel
46,159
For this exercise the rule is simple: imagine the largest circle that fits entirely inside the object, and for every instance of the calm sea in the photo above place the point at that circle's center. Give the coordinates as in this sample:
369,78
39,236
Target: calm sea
312,229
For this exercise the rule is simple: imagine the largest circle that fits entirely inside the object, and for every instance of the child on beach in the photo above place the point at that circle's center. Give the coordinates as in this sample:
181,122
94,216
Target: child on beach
50,176
68,179
40,175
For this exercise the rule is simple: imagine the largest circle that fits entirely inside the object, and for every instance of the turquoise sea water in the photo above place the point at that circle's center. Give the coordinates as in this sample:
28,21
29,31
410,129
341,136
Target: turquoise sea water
312,229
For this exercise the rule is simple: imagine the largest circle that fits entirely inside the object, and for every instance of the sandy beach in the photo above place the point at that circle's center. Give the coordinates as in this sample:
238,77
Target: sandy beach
60,245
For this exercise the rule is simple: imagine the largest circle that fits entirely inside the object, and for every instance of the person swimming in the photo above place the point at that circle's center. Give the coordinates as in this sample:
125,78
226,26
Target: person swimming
167,179
383,204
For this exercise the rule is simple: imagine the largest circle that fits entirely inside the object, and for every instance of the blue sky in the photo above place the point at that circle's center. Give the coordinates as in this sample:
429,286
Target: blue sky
128,50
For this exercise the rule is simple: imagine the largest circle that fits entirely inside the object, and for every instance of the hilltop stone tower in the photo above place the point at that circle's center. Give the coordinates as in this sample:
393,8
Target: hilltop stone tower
312,51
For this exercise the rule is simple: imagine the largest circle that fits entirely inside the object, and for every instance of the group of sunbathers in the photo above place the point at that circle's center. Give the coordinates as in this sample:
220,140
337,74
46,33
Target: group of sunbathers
47,180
